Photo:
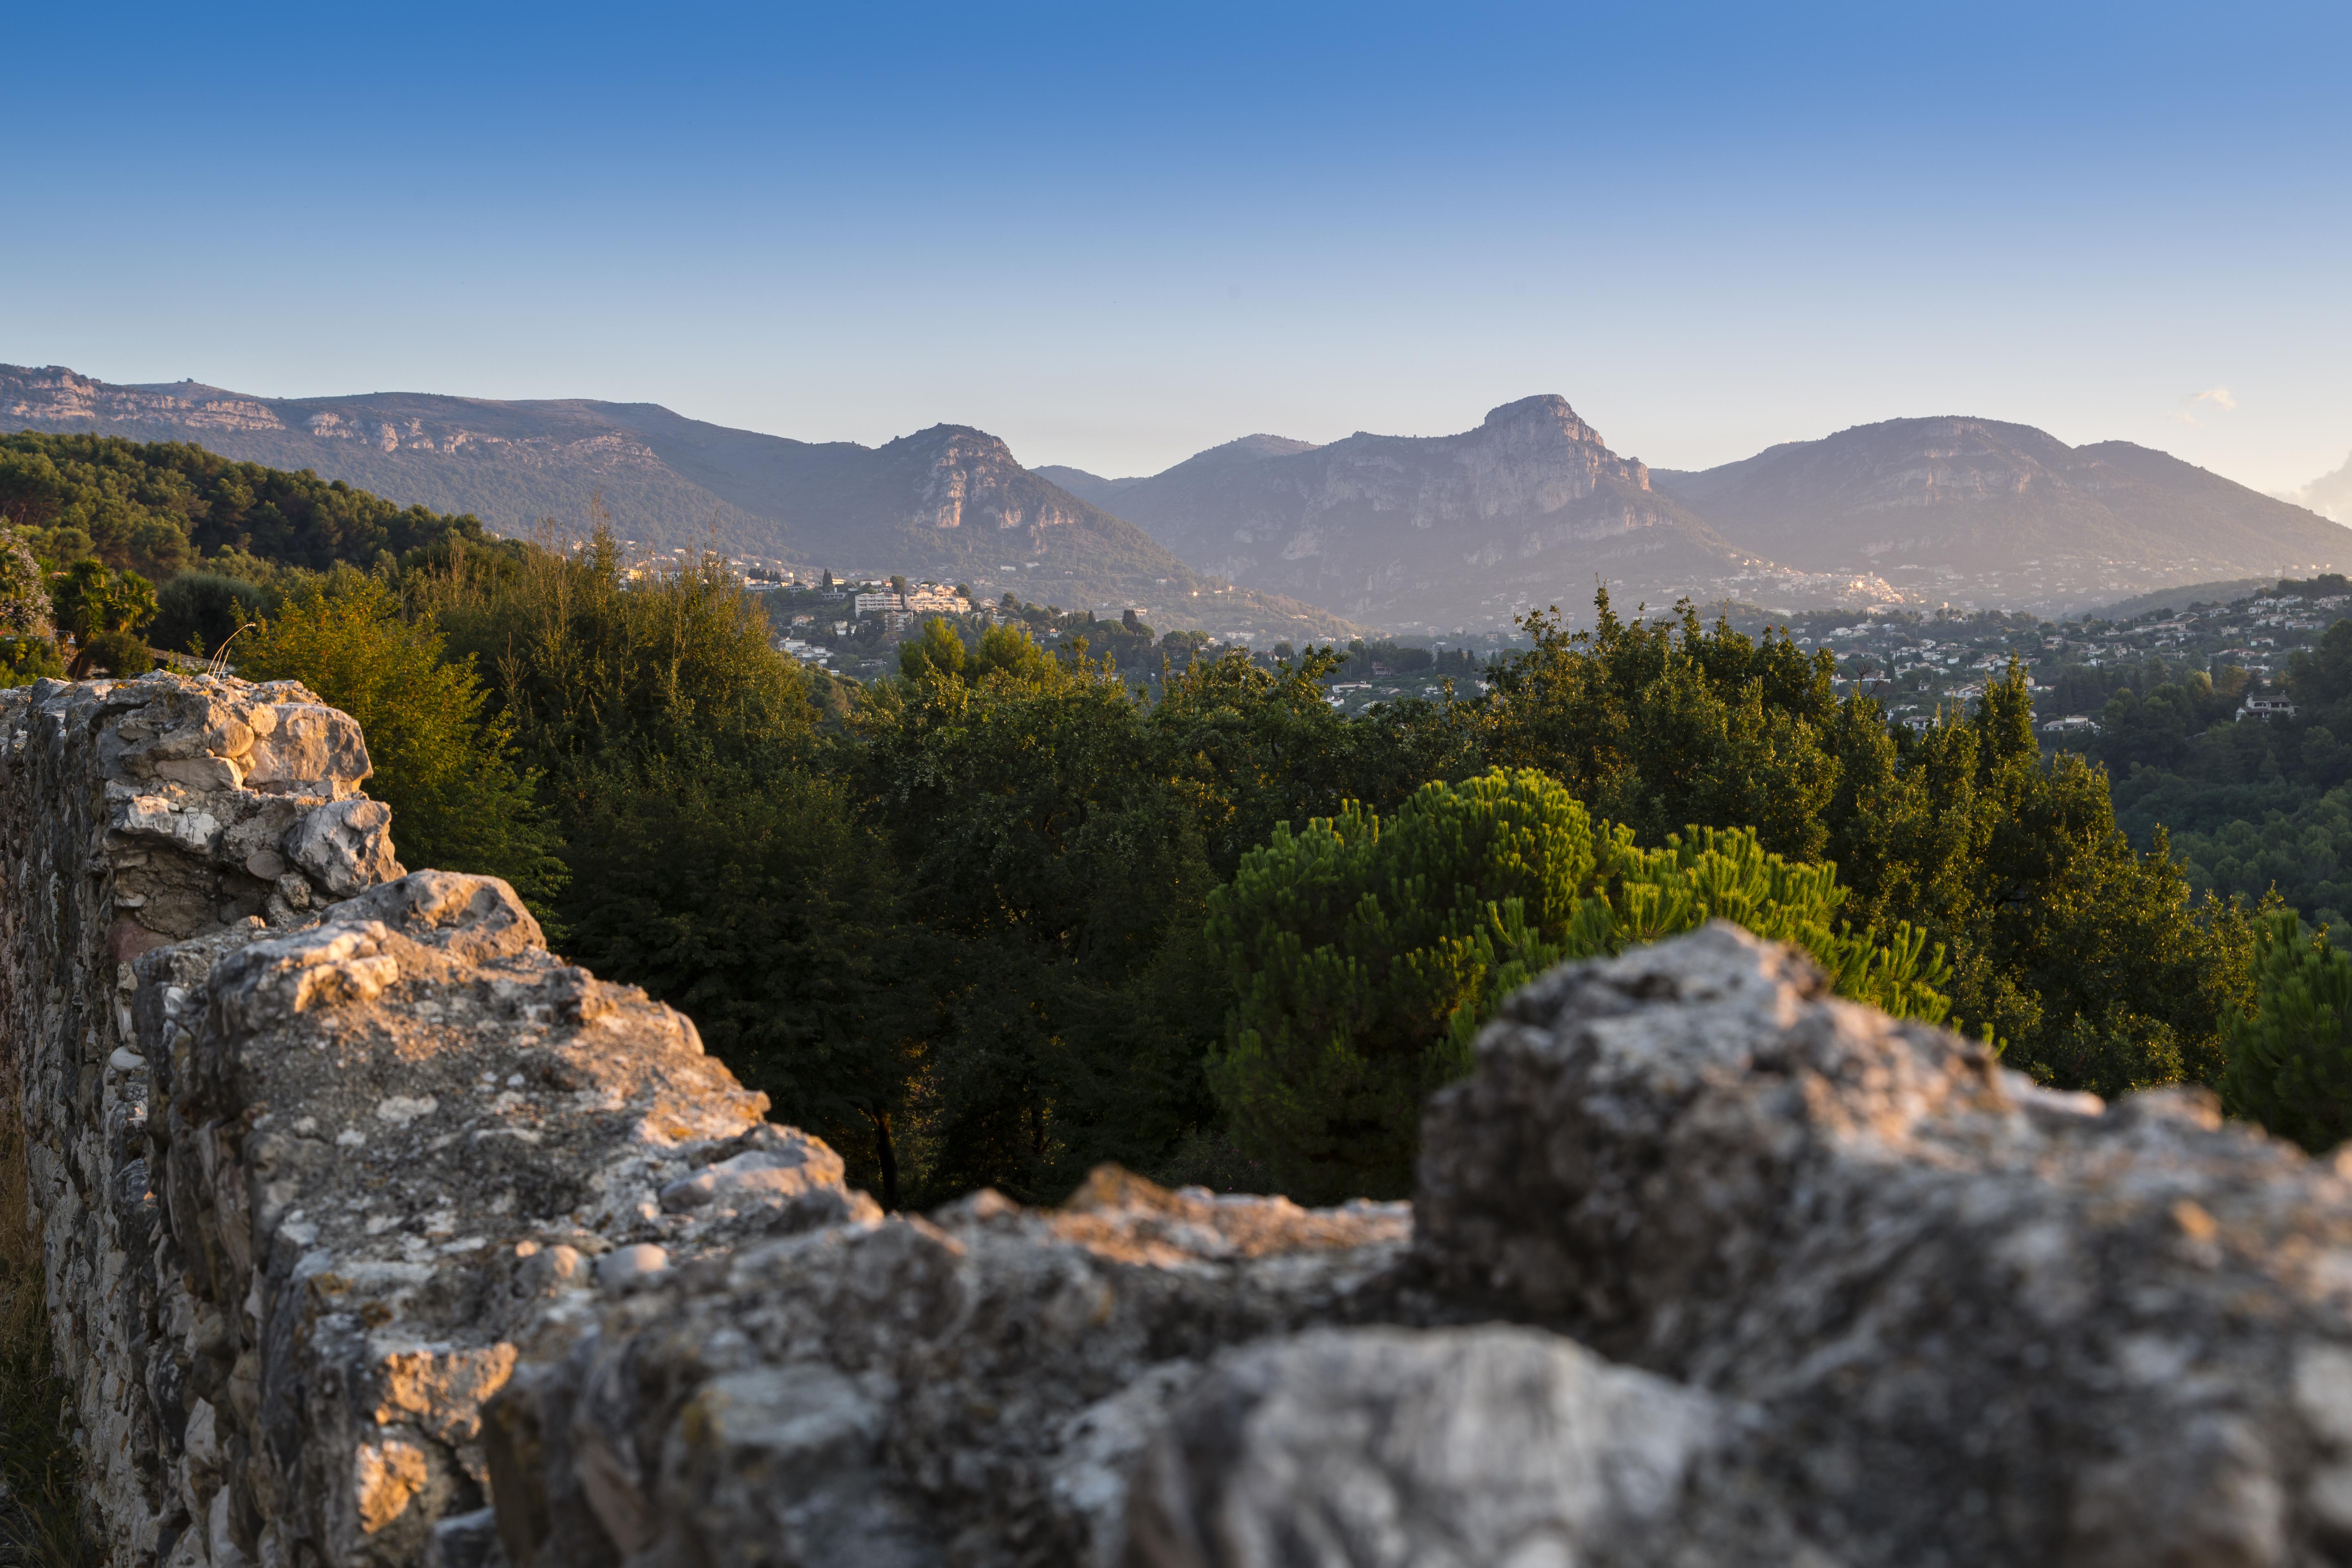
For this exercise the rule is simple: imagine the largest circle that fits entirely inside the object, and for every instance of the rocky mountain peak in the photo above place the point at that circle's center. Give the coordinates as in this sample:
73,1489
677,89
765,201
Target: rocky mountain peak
1548,411
957,443
1251,447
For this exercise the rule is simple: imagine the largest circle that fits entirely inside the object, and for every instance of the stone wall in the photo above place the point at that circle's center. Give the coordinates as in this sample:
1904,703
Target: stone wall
376,1233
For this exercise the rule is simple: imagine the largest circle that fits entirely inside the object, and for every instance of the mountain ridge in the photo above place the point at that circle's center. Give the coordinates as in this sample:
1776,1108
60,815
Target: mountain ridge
1529,508
948,502
1924,510
2006,513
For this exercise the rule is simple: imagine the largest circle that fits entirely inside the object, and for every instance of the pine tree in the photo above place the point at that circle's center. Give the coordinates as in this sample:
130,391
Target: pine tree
2291,1058
1363,954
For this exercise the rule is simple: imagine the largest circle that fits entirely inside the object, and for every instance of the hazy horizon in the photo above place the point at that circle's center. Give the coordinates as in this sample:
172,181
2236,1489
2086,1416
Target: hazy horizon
1115,240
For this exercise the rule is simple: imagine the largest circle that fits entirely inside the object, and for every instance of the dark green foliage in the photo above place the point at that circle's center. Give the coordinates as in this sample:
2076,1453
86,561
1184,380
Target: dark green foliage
2088,960
26,652
1059,835
118,654
2291,1054
196,612
24,660
1660,724
2253,806
157,506
1384,657
1360,955
588,666
40,1471
1052,872
753,902
89,599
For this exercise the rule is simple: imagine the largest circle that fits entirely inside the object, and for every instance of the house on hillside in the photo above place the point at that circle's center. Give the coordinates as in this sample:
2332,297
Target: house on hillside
931,599
2266,709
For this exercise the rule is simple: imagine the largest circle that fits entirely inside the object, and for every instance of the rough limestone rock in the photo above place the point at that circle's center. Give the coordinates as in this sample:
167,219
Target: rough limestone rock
1448,1448
377,1235
133,814
480,1125
967,1389
1982,1323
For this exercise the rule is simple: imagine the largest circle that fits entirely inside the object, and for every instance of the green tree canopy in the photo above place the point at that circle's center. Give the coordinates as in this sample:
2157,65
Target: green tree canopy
2290,1052
196,612
1362,955
589,665
2089,959
753,900
444,762
90,599
157,506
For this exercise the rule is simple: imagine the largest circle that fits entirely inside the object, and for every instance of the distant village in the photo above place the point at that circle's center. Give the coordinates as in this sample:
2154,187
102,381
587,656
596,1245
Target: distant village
1921,666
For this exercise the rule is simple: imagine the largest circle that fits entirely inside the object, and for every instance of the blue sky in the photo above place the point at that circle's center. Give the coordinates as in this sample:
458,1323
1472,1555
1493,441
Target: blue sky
1116,234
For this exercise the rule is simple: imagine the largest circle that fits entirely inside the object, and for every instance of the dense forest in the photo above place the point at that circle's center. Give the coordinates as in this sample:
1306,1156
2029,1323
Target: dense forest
2251,806
1012,910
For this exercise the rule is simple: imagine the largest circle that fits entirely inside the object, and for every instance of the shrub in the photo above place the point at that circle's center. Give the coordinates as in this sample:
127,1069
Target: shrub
27,659
23,591
198,611
118,654
1362,956
90,599
2291,1055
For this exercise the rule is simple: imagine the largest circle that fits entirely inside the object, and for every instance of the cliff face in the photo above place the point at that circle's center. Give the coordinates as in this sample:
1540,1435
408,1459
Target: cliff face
2026,520
1529,509
377,1235
949,502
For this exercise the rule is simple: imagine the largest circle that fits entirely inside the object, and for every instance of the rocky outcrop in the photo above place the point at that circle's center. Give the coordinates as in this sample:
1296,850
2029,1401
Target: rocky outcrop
1975,1322
379,1234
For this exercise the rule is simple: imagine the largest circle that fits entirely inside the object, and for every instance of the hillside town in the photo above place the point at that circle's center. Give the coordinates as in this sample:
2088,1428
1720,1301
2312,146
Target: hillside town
1920,666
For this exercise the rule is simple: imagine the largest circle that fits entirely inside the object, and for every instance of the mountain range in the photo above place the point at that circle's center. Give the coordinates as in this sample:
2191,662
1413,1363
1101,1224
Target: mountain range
949,504
1531,507
1425,534
1290,538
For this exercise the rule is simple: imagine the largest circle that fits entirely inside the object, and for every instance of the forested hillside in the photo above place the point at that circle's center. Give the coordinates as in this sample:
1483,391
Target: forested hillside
156,507
2251,804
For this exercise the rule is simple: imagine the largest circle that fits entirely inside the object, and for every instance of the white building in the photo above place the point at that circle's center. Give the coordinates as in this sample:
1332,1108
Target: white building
931,599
